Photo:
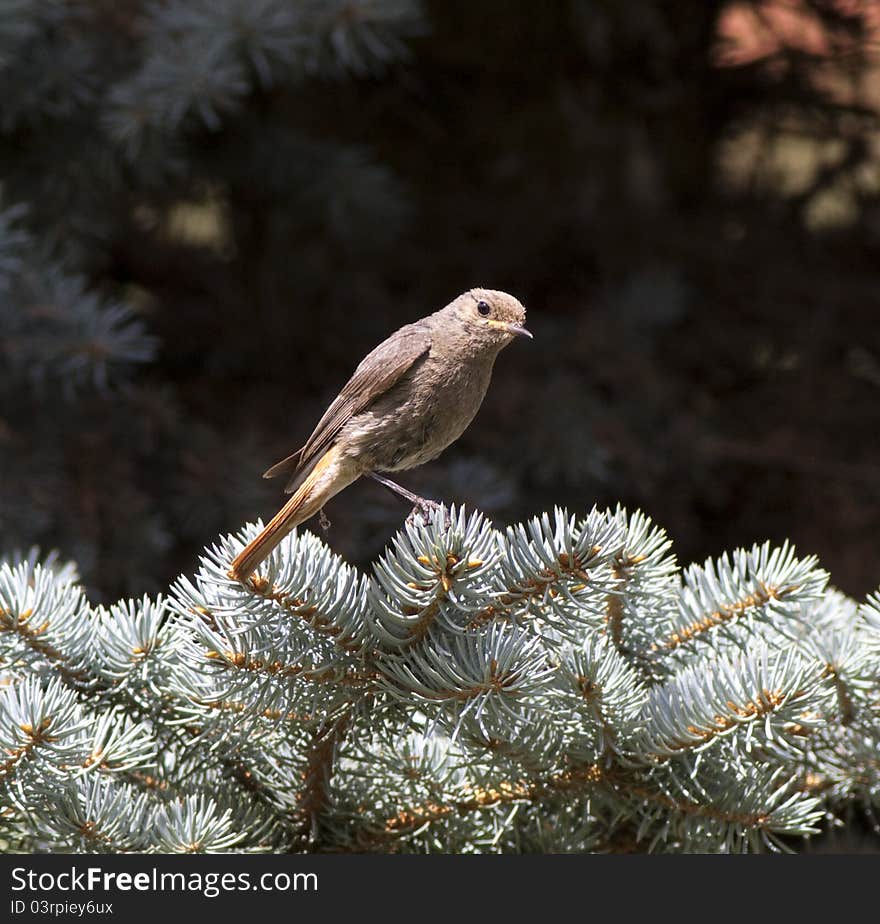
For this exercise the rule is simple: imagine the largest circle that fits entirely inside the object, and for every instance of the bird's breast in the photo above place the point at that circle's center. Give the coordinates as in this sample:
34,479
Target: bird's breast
428,409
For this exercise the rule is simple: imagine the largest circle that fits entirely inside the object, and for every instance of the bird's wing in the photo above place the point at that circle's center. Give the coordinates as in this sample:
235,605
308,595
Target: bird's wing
375,375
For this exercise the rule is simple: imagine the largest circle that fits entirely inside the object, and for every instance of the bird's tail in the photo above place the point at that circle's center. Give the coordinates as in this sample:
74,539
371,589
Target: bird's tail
330,475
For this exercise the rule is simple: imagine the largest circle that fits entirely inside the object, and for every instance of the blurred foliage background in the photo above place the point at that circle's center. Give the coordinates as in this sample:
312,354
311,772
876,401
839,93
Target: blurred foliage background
212,209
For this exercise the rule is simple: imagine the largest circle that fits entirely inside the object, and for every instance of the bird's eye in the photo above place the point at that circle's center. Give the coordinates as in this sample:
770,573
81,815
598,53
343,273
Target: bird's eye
483,308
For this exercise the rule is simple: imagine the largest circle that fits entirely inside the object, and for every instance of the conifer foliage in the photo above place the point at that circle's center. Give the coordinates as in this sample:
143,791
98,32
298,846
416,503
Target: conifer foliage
559,685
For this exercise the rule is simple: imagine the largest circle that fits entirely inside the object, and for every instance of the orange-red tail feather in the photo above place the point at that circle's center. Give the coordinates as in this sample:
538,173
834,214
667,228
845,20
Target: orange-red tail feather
327,478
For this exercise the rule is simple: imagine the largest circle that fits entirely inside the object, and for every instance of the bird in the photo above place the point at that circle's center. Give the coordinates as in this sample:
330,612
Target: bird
409,398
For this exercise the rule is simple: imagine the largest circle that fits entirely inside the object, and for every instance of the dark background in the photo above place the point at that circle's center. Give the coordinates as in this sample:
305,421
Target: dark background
214,210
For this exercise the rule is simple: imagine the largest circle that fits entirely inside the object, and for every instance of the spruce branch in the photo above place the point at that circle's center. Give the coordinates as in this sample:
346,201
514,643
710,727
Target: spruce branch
697,706
764,587
361,38
56,329
480,690
43,619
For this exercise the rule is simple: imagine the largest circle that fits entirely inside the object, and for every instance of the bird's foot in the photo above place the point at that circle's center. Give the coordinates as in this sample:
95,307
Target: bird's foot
423,511
422,507
324,520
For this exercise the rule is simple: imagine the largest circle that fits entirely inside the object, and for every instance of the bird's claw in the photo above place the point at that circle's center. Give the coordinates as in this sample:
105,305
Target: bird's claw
423,510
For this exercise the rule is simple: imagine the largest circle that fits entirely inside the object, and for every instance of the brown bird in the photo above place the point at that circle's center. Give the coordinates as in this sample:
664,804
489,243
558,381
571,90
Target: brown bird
407,401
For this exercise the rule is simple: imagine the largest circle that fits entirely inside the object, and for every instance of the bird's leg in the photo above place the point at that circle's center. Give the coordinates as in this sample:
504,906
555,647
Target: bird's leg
395,488
422,504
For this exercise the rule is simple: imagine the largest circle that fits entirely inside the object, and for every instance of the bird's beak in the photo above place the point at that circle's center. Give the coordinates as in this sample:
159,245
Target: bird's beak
511,328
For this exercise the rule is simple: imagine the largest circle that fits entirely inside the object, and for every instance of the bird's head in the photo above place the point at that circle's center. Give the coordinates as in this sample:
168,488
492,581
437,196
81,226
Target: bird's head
491,317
